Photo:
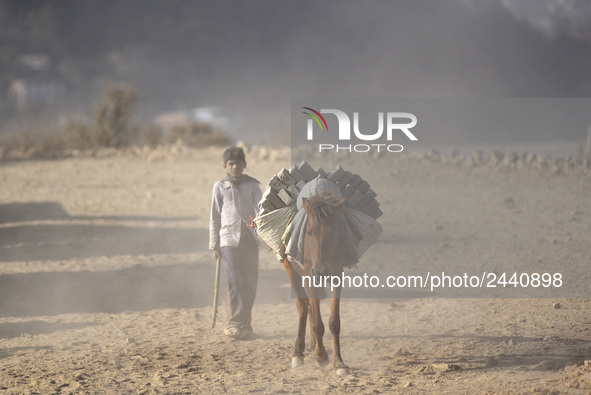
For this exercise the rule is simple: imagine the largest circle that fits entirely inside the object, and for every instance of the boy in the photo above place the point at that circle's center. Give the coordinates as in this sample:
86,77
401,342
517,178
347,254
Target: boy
232,237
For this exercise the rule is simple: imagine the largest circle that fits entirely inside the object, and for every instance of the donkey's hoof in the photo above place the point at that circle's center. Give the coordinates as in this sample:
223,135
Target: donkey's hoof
296,362
321,363
342,371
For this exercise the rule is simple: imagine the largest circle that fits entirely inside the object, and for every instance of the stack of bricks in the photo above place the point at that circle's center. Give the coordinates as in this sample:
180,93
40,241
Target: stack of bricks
356,191
284,188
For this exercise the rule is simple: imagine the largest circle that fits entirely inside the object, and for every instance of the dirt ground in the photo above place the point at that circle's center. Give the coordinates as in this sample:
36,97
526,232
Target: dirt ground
106,282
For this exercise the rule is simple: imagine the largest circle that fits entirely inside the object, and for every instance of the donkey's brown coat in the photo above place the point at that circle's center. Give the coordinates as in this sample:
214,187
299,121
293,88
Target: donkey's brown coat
324,255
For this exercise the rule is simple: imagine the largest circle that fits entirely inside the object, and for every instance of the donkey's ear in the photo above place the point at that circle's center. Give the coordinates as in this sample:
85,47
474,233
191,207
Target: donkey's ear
306,204
340,205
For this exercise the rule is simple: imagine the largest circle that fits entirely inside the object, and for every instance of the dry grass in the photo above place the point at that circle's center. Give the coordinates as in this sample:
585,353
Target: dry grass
32,141
197,134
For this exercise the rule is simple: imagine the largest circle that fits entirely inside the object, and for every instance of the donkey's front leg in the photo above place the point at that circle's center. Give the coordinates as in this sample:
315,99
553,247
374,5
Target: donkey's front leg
318,327
300,342
312,342
334,324
302,304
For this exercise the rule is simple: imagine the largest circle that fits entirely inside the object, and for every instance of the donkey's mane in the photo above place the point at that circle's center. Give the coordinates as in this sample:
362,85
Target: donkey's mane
323,206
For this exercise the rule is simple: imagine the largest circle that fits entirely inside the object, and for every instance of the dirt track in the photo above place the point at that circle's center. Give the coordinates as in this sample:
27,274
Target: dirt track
106,283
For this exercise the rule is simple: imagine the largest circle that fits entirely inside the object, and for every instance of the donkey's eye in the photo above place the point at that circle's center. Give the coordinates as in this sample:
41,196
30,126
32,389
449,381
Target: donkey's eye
309,233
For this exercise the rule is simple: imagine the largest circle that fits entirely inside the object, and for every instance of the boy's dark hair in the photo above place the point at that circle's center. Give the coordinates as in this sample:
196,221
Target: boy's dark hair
234,153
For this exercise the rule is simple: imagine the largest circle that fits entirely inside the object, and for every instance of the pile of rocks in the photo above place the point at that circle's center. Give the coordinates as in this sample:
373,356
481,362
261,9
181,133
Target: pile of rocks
513,161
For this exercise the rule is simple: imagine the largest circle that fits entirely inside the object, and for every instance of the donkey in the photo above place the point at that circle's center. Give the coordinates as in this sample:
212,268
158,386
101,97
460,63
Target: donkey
324,255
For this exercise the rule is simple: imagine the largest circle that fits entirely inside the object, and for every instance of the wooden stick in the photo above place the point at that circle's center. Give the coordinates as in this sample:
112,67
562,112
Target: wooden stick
218,263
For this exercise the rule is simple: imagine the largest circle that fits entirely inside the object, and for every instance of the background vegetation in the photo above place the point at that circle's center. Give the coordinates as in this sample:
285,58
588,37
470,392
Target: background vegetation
251,58
114,126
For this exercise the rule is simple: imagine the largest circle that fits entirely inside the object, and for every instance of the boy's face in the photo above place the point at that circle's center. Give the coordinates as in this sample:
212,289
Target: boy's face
235,167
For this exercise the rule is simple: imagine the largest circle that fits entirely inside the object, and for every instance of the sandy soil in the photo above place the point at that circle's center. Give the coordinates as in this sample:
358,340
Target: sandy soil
106,282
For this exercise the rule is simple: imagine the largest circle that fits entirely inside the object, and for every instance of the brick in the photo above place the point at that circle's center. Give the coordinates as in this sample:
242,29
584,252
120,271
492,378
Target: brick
300,185
284,177
375,214
276,184
271,196
354,199
320,171
348,191
367,197
266,206
296,175
355,180
336,173
363,186
307,171
346,178
285,197
293,192
369,207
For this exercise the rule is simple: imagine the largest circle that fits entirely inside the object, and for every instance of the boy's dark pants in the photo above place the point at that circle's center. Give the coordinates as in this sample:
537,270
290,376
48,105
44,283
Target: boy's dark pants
241,265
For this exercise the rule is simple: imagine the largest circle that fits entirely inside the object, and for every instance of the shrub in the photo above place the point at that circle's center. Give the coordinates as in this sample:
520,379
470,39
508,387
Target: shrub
113,116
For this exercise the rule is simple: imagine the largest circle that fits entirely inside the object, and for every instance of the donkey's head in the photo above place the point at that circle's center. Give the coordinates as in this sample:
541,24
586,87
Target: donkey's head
324,233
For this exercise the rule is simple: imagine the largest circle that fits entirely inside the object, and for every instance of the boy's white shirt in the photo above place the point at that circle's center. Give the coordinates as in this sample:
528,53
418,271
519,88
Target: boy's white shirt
231,206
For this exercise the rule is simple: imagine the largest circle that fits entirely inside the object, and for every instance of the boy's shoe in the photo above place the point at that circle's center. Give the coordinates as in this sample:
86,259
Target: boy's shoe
232,331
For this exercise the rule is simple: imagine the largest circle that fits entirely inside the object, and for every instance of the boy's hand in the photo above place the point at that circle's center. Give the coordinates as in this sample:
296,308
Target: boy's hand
217,253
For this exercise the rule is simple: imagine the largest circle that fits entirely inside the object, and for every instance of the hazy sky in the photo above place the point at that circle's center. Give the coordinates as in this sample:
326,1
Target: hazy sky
253,57
426,48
